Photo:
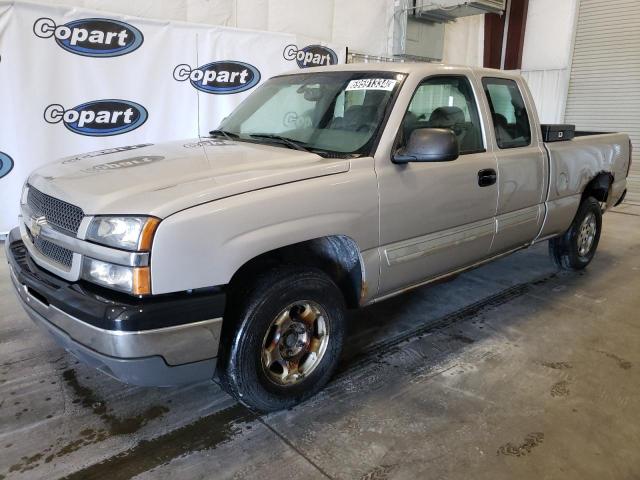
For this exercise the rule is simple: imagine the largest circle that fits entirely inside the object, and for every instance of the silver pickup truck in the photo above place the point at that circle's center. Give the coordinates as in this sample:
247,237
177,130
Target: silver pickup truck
238,254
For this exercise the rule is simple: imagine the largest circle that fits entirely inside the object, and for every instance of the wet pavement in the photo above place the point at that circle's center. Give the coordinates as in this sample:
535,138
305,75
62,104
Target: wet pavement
513,370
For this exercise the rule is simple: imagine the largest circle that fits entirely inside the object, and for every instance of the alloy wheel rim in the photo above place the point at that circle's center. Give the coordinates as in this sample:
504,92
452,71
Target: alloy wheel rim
587,234
295,343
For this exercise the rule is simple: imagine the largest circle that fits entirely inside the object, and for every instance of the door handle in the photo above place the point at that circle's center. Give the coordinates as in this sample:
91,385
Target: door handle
487,177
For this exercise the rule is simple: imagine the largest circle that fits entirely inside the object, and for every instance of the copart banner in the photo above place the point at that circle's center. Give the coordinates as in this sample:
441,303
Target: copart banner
74,81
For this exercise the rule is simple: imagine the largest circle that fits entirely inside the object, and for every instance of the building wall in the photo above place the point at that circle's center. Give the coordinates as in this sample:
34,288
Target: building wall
464,41
604,90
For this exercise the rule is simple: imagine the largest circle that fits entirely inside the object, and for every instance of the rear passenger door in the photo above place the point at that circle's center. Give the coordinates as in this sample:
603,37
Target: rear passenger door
522,164
436,217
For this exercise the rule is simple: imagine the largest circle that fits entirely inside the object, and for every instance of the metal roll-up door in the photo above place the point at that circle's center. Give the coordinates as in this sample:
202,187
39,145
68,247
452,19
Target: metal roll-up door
604,91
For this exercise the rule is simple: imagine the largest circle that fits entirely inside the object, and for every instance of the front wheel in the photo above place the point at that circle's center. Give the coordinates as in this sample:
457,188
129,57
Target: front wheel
284,340
576,248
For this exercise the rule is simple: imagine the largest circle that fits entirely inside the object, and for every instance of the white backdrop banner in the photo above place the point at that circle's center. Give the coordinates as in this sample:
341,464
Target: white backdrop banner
75,80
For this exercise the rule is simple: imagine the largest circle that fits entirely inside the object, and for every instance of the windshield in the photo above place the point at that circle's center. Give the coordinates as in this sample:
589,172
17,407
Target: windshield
332,112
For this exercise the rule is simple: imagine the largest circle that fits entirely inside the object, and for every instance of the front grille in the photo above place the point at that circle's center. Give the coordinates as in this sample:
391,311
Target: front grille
19,252
60,215
56,253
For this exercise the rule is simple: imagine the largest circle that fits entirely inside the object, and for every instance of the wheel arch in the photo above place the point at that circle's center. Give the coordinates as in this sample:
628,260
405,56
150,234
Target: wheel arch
338,256
599,187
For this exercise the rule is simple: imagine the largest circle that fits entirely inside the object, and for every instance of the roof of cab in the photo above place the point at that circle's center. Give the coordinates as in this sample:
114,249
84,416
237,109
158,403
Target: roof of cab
420,68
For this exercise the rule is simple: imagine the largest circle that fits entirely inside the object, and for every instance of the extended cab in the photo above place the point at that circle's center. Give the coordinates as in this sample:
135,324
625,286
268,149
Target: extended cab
324,190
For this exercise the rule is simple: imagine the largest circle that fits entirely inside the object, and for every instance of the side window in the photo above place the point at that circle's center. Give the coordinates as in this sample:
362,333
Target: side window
510,119
446,102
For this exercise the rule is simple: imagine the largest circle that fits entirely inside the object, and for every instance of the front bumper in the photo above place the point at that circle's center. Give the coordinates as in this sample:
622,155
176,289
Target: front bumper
156,341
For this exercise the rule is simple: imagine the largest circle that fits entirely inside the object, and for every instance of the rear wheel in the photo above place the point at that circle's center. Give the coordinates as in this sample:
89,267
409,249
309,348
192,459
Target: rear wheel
283,342
576,248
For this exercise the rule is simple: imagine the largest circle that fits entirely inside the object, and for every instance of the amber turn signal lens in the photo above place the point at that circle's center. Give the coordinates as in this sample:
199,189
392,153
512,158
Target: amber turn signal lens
148,231
141,281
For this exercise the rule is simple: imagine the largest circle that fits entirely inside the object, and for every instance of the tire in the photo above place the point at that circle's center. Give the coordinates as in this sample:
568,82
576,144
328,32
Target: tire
258,357
575,249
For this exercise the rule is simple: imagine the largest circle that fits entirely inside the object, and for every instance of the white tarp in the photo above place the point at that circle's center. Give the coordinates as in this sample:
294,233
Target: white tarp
546,55
366,26
75,80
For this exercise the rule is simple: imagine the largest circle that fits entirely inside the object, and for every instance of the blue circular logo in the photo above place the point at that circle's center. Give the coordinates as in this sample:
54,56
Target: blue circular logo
221,78
91,37
99,118
310,56
6,164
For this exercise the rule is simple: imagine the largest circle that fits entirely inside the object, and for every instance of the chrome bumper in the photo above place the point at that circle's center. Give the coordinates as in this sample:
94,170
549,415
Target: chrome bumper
176,345
182,349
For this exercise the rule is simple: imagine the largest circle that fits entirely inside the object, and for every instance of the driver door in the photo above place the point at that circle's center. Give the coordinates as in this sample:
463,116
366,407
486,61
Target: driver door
435,217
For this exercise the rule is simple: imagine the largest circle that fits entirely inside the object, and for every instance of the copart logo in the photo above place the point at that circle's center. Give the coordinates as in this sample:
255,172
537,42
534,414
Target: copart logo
6,164
310,56
219,78
92,37
99,118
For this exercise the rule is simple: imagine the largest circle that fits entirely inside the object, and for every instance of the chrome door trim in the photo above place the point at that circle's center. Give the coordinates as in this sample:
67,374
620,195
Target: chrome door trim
446,275
519,217
414,248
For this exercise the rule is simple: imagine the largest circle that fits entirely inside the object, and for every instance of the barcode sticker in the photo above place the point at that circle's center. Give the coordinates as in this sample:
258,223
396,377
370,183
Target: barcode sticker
372,84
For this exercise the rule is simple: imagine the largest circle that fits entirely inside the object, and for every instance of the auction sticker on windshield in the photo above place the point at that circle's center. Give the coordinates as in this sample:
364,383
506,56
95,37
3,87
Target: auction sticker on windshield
371,84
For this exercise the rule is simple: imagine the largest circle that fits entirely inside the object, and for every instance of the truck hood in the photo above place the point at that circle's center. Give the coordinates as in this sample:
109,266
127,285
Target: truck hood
165,178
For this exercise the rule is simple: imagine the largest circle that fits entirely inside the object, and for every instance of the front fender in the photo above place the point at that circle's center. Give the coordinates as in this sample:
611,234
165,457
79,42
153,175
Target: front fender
205,245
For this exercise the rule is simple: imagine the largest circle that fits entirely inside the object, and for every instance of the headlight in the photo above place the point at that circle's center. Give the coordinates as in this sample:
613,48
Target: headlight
134,280
129,233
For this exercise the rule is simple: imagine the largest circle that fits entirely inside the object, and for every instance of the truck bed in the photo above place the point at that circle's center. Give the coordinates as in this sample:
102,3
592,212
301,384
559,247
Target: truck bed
573,163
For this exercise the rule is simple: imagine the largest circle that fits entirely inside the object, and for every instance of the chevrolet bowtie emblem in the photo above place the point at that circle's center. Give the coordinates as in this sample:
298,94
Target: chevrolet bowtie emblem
36,225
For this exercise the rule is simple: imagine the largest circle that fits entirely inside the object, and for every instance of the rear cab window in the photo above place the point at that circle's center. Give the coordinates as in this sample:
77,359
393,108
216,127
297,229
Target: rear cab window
508,112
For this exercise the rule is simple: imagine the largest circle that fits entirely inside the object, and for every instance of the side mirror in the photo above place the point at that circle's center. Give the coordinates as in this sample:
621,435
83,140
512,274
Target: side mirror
429,145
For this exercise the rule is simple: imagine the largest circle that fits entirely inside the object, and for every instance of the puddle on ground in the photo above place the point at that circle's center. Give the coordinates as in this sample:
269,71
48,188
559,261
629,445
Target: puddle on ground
206,433
622,363
560,389
380,472
557,365
530,442
461,338
113,425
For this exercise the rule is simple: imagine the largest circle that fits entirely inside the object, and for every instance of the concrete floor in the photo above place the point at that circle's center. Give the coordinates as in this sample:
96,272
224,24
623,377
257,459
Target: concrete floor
514,370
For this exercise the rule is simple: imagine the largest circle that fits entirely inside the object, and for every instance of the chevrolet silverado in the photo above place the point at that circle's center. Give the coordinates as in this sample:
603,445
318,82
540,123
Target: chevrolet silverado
236,255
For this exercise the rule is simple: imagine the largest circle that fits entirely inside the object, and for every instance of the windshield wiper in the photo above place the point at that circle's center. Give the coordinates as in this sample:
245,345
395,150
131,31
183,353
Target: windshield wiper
224,133
296,145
